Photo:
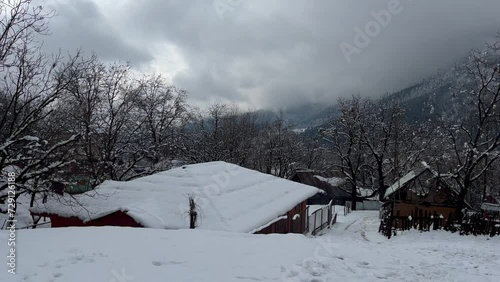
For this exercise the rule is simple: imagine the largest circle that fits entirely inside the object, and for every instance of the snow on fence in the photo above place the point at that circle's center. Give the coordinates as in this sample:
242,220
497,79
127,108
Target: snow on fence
321,218
473,223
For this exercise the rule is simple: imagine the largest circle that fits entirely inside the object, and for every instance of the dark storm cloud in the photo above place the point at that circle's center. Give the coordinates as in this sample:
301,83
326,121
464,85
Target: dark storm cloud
281,53
79,24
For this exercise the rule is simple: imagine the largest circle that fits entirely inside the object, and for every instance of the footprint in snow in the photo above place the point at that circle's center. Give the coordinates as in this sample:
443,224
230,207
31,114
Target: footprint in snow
160,263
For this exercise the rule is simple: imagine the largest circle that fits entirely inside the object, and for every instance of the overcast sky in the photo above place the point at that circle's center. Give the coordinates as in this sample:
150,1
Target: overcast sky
277,53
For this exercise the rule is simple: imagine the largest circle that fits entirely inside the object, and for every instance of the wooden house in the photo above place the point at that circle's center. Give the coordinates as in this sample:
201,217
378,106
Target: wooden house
422,193
335,189
328,190
490,207
226,197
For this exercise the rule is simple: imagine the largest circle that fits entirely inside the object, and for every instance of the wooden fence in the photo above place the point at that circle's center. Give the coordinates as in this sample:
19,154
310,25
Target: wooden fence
31,226
471,224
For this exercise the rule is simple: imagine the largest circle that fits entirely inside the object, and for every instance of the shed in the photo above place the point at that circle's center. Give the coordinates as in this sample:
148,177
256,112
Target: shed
226,197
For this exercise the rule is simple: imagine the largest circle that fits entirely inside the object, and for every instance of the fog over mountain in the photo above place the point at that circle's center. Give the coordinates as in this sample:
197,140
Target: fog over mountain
277,54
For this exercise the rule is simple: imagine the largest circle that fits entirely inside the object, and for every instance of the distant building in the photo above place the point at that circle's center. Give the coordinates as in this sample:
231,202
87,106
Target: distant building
333,188
420,193
328,190
490,207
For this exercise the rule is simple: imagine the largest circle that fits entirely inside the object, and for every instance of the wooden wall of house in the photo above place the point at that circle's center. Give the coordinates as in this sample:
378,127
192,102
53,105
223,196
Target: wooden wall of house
298,225
289,225
279,227
115,219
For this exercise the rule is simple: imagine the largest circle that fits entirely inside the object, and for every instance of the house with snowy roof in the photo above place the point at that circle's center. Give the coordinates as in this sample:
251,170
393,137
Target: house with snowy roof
216,195
329,190
336,189
422,192
490,206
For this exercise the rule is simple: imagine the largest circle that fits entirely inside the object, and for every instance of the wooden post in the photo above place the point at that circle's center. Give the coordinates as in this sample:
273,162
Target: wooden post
307,220
421,219
192,219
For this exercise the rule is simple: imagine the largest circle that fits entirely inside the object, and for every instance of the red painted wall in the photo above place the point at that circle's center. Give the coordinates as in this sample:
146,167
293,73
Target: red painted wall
289,225
119,218
115,219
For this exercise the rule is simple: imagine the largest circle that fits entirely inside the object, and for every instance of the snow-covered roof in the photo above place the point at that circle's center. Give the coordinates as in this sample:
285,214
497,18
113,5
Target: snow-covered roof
412,175
334,181
368,193
229,198
407,178
400,183
490,207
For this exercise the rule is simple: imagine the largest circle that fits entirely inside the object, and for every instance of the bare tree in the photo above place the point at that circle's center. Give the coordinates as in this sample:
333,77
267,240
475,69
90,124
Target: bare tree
30,85
380,125
223,133
162,110
472,128
394,144
312,154
345,136
100,103
281,148
204,140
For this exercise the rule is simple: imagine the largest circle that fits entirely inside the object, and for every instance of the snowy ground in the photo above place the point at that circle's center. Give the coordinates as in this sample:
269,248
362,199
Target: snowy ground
112,254
351,251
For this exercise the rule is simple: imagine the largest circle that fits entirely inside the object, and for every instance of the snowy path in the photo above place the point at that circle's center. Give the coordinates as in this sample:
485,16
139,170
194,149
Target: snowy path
353,250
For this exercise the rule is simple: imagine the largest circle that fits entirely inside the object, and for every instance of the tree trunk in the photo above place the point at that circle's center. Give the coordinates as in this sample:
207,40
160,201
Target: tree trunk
463,193
354,195
461,202
381,182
